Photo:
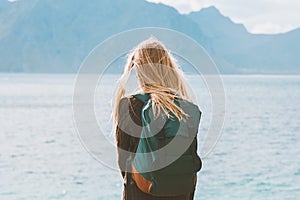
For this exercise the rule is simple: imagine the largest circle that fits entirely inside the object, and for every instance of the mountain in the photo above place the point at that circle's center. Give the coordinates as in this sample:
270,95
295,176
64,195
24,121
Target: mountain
235,50
55,36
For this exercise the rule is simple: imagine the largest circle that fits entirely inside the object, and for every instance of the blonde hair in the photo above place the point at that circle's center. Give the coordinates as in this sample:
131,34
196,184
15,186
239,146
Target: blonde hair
158,74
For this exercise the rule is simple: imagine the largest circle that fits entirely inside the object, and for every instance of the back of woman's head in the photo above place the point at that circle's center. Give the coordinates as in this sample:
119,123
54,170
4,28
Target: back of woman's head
158,75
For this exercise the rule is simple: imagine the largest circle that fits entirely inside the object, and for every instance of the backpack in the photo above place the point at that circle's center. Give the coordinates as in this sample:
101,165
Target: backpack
166,161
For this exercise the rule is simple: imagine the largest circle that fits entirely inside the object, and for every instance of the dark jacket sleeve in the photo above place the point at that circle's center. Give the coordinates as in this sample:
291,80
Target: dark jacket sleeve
130,107
123,142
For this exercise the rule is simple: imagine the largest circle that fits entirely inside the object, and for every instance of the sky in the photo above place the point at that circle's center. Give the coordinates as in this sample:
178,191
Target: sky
258,16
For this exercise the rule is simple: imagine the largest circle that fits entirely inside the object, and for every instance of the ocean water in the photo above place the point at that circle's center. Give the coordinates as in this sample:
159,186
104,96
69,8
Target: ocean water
42,156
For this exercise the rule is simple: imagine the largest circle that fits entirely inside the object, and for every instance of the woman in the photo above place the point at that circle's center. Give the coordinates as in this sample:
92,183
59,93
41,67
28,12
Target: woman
162,82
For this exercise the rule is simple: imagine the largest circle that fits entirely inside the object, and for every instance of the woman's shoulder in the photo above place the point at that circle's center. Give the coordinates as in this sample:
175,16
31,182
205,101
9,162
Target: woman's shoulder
132,104
135,98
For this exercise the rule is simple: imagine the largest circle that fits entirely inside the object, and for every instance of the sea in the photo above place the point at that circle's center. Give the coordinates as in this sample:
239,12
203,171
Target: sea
43,156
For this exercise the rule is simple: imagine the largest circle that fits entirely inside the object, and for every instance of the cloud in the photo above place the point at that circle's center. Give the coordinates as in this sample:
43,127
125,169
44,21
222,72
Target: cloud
260,16
185,6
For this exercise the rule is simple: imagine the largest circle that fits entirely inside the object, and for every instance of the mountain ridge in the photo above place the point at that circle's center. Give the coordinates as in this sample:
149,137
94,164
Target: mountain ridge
55,36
